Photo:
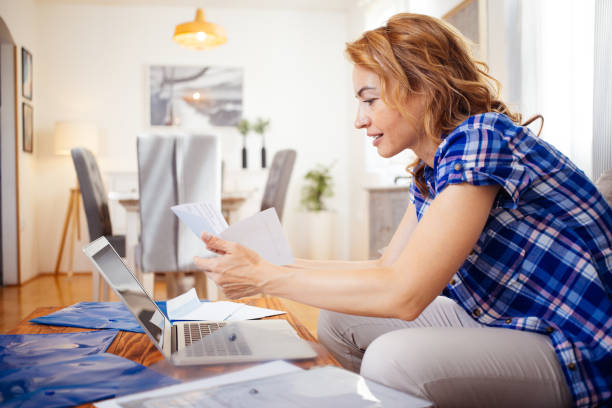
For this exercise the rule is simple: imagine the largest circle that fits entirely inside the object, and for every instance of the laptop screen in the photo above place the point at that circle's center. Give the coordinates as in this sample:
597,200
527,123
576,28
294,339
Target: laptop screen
134,296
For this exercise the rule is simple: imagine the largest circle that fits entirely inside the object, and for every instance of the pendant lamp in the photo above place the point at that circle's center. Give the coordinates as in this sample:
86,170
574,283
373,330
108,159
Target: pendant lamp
199,34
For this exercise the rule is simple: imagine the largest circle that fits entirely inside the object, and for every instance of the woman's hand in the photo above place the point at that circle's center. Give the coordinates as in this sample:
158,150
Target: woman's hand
235,270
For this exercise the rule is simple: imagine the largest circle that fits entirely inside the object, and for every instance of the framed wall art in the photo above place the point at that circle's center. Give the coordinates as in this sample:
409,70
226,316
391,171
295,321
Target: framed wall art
26,74
470,18
195,96
27,127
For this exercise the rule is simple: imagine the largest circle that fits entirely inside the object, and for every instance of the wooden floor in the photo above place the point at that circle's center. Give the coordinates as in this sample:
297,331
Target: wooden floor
16,302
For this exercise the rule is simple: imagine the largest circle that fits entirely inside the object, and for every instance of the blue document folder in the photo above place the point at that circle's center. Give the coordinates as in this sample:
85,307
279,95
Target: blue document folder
73,382
26,350
96,315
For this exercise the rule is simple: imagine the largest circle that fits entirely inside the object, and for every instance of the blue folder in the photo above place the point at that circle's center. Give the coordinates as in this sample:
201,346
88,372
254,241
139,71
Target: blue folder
99,315
26,350
73,382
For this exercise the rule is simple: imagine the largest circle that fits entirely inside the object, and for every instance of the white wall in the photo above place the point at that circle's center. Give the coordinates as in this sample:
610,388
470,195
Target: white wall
20,17
92,63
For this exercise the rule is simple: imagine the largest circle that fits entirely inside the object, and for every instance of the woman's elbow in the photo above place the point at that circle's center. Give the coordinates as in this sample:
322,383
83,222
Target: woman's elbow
405,307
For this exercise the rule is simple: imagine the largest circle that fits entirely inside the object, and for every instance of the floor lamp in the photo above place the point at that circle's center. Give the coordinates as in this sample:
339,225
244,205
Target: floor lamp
69,134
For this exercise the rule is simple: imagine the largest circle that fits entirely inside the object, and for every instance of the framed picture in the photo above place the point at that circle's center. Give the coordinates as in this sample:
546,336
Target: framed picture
26,73
470,18
195,97
27,127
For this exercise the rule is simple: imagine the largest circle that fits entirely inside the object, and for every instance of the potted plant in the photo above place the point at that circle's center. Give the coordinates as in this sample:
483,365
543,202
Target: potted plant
318,187
260,127
244,127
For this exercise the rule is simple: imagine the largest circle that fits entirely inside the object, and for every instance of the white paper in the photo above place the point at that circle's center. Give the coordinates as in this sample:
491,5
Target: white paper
188,307
201,217
261,232
276,385
259,371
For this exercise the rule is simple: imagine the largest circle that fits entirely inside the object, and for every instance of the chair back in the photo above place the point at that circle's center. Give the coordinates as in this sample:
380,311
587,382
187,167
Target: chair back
174,170
157,192
275,191
95,200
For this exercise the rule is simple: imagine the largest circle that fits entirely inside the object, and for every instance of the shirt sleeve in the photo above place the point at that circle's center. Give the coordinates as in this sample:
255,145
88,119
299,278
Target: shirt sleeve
483,155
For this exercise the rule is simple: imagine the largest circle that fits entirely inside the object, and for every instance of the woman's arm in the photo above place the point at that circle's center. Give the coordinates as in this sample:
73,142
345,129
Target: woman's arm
437,247
315,264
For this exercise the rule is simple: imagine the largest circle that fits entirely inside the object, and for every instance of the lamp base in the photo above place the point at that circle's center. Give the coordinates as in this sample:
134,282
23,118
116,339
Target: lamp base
72,214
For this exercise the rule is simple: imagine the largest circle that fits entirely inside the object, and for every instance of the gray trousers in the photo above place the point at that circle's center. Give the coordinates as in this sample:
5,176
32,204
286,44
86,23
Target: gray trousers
447,357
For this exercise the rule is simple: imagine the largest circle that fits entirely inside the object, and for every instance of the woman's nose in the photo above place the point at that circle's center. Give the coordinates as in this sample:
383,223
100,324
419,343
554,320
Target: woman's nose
361,121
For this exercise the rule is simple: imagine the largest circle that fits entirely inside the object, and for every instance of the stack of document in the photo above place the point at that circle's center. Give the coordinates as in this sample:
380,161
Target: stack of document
261,232
275,384
188,307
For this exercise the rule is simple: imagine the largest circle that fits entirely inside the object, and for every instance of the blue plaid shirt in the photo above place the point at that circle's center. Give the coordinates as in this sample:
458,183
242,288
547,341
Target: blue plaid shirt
544,260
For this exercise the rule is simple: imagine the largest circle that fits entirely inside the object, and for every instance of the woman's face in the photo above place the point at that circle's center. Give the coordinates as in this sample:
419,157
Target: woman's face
391,133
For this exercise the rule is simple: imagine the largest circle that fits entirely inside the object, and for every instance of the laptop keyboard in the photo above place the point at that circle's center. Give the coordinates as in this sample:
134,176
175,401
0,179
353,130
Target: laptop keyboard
231,343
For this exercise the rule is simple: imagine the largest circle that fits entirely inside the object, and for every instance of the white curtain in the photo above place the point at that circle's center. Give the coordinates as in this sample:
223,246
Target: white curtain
556,72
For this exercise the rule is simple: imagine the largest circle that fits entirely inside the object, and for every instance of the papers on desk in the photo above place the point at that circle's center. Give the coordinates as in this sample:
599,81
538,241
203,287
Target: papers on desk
188,307
261,232
275,384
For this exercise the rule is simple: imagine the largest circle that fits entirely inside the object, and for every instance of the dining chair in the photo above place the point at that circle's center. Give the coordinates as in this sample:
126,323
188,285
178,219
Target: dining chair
95,202
277,184
175,169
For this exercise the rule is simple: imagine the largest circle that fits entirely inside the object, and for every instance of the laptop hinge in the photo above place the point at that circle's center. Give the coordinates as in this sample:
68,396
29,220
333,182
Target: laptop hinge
173,339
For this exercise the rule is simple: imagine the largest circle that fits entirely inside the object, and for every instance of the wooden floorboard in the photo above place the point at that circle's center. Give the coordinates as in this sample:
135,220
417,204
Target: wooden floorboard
16,302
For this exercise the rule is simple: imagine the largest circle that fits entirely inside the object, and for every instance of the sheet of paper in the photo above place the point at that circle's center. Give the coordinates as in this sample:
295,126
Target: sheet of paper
261,232
188,307
259,371
323,387
201,217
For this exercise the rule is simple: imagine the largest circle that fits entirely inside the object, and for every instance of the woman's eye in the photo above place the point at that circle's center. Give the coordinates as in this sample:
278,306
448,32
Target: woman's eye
369,101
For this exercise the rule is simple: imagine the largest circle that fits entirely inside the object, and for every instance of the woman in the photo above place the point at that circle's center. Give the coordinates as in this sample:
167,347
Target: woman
514,234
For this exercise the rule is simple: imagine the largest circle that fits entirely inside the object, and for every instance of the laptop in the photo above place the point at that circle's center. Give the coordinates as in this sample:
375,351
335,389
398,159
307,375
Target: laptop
196,342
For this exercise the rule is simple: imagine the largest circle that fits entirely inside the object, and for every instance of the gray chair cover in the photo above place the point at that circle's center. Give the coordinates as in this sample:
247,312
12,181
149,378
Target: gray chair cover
95,199
275,191
174,170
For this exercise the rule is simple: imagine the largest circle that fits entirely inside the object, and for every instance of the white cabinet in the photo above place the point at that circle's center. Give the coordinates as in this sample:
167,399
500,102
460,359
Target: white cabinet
387,206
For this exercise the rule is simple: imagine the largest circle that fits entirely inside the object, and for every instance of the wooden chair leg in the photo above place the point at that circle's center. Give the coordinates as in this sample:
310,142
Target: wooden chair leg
171,285
200,284
95,287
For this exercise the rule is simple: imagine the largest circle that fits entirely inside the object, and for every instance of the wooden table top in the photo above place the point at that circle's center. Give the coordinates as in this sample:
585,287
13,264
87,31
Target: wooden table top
137,346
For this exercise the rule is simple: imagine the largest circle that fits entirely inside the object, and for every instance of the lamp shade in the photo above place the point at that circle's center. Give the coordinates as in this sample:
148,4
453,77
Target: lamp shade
69,134
199,34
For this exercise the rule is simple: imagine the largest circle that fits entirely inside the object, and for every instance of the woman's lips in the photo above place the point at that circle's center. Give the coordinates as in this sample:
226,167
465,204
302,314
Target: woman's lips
377,140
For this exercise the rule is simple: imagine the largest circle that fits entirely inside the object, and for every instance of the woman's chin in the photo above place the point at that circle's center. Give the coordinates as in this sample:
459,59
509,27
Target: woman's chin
382,152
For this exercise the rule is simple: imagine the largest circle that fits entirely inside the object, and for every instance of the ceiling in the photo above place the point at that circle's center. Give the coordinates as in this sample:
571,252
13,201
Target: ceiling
339,5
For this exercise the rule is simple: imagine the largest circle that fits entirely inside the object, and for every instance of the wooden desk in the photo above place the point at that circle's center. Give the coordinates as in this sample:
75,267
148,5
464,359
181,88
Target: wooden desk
137,346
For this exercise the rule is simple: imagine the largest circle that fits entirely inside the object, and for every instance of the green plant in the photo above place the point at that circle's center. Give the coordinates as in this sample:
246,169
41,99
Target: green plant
243,127
318,186
260,126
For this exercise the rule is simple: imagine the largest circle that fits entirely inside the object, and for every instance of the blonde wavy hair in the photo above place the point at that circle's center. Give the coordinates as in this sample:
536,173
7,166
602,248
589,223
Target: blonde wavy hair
418,54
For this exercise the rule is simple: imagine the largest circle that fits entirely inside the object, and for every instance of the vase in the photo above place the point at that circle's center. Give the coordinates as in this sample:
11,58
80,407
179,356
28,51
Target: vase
320,234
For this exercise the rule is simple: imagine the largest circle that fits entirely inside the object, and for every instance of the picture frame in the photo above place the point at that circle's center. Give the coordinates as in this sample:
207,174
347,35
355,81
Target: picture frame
470,18
26,73
27,113
194,96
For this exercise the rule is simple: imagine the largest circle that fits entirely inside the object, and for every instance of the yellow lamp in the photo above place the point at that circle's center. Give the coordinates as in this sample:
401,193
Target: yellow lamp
199,34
